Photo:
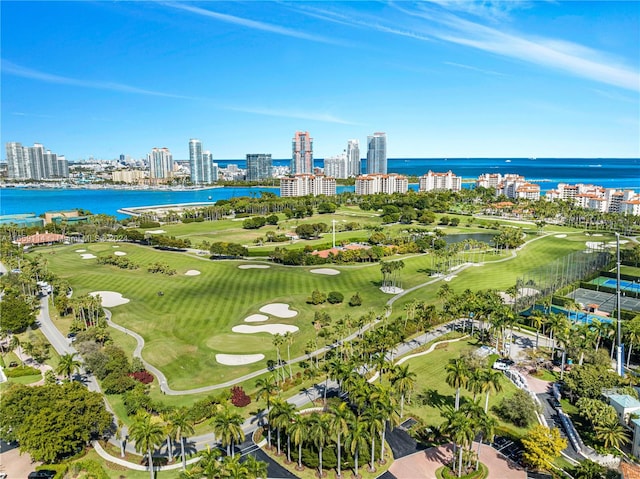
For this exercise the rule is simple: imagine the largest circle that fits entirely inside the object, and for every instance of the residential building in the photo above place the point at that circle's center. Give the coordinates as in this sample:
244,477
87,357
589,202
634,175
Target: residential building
353,158
337,166
377,153
305,184
528,191
128,176
199,163
207,158
160,164
440,181
379,183
593,197
34,163
301,153
259,166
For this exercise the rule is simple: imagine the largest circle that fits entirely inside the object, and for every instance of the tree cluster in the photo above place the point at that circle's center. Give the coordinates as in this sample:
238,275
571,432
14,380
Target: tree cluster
232,250
121,262
162,268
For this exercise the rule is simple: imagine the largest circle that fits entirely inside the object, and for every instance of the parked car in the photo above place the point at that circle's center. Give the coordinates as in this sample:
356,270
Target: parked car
42,474
500,366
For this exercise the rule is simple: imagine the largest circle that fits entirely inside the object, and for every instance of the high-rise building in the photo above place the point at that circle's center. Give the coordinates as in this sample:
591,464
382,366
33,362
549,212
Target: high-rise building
259,166
305,184
34,163
377,153
200,163
160,164
301,153
353,158
336,166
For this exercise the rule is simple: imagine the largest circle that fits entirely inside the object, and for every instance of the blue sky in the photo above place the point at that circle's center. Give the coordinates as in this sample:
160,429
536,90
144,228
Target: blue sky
442,78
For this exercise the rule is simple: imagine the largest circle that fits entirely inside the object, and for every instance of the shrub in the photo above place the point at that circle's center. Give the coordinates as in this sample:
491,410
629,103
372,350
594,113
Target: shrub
335,297
519,409
317,297
238,397
88,468
144,376
21,371
355,300
117,383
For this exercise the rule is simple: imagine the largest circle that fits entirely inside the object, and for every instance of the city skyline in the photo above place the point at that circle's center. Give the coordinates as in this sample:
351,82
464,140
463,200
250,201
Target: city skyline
443,79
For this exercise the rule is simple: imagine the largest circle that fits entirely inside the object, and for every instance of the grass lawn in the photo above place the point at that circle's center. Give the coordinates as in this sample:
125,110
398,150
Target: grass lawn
432,396
631,270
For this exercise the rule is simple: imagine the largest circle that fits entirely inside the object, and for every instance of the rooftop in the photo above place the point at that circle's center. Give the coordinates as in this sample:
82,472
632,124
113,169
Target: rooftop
624,400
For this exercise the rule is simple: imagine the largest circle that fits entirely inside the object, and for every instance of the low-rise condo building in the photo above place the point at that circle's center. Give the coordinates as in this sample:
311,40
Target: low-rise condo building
381,183
304,184
440,181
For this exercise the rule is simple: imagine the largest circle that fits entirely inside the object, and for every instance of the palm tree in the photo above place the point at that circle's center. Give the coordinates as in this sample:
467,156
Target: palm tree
227,426
209,465
318,431
147,433
403,381
382,399
457,376
339,425
288,339
492,382
461,429
612,435
168,430
280,416
487,426
255,468
120,434
374,420
233,468
267,387
537,320
357,439
632,334
298,432
278,340
68,365
181,426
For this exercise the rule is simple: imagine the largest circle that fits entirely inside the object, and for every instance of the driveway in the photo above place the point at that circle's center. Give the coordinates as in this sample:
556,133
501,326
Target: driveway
14,464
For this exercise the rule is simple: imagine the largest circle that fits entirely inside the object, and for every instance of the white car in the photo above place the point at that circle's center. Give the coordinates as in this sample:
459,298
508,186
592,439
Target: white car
500,366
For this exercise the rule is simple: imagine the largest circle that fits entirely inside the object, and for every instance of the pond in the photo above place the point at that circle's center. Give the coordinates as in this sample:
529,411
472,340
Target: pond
458,238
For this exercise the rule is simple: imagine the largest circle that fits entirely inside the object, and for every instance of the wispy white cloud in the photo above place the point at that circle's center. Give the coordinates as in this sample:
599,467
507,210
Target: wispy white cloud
493,10
24,72
252,24
611,95
475,69
323,117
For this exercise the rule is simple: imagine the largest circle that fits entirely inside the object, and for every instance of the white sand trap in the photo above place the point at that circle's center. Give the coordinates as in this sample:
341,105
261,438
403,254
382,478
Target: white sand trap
120,253
81,251
528,292
621,242
238,359
265,328
156,232
559,236
88,256
328,271
254,266
391,289
281,310
597,234
110,298
192,272
115,246
256,318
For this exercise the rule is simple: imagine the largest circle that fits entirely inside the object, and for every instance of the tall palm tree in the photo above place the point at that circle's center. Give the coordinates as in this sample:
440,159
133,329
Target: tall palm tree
374,420
357,439
612,435
281,415
339,426
382,399
234,469
167,420
537,319
288,339
278,340
403,381
227,426
182,426
492,382
68,365
298,431
487,425
457,376
632,335
147,433
319,433
255,468
267,387
461,430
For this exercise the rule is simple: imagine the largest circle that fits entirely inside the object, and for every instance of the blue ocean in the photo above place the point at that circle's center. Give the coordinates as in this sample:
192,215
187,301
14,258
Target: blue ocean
548,172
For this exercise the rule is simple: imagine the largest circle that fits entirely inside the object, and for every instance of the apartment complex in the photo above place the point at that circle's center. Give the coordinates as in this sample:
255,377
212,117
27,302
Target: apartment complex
34,163
302,153
440,181
128,176
593,197
510,185
160,165
337,166
379,183
377,153
306,184
353,158
259,166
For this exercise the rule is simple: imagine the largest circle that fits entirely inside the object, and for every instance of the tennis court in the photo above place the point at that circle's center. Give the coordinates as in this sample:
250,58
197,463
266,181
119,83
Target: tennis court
606,301
631,286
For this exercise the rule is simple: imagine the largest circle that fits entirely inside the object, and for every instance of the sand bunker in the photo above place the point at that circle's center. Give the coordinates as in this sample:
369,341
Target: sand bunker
120,253
256,318
391,289
88,256
110,298
266,328
192,272
560,236
115,246
594,244
621,242
238,359
328,271
596,234
281,310
156,232
81,251
254,266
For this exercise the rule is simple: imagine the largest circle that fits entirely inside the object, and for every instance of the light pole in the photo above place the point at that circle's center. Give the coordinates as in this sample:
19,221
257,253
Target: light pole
334,232
619,350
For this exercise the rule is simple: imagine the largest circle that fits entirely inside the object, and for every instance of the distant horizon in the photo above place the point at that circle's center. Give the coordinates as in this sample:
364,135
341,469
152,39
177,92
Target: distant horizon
449,79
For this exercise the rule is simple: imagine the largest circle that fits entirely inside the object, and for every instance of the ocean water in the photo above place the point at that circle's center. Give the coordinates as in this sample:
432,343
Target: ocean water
609,173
